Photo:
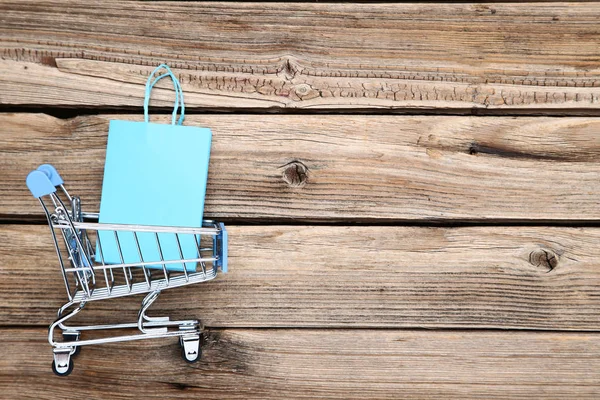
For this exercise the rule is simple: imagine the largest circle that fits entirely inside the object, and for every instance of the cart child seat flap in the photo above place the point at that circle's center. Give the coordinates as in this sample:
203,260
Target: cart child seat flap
154,174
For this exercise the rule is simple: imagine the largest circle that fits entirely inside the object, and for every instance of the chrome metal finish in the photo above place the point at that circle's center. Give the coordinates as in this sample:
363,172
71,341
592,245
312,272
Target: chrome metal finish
62,361
88,277
191,347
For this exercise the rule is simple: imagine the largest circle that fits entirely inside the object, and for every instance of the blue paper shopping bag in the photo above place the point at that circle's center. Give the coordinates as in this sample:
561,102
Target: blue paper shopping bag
155,174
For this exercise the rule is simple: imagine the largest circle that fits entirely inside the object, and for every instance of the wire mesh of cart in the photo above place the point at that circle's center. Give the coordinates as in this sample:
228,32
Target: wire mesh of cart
87,277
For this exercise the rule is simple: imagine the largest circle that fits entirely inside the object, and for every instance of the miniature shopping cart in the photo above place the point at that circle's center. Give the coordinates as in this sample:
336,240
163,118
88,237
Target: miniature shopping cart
87,279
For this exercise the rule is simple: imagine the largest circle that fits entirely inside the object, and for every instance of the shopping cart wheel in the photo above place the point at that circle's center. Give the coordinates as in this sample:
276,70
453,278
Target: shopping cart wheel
72,337
191,358
190,349
64,366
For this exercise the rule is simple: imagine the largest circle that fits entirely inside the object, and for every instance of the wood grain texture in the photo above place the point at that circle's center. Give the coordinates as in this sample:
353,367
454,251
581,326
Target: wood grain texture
540,56
311,276
328,364
342,168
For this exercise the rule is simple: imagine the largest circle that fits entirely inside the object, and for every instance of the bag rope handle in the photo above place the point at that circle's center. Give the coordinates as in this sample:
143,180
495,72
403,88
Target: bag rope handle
178,94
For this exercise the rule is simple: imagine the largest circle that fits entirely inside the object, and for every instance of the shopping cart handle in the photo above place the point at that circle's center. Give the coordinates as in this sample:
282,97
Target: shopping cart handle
39,184
52,174
43,180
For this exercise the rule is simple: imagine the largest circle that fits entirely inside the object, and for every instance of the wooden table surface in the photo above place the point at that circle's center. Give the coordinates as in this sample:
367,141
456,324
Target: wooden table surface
411,189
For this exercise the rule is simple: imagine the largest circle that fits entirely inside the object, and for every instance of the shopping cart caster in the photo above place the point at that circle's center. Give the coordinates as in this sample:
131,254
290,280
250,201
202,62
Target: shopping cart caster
190,348
72,337
62,365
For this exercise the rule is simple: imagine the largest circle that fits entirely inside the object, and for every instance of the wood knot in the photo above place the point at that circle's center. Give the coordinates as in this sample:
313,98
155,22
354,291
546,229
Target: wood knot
303,89
544,258
295,174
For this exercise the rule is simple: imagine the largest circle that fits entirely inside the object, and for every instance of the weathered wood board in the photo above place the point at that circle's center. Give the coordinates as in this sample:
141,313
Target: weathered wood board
328,364
342,168
328,276
414,217
303,55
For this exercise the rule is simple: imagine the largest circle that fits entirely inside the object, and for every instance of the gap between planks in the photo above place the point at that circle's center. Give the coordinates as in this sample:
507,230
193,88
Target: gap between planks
73,112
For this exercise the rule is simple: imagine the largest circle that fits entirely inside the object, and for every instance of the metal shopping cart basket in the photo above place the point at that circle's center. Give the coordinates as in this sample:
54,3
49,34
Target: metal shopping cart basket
86,279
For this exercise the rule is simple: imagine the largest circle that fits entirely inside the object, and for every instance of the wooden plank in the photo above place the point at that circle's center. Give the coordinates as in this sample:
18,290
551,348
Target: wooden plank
320,276
540,56
342,168
325,364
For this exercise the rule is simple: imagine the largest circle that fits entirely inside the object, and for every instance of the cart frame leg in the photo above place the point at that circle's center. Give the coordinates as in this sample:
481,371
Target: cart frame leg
62,364
188,332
